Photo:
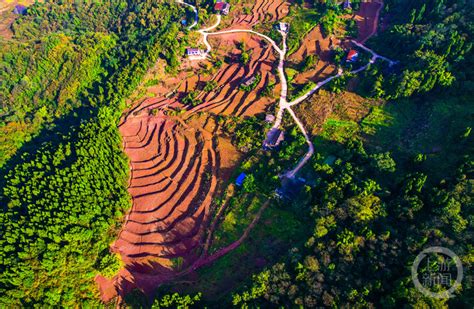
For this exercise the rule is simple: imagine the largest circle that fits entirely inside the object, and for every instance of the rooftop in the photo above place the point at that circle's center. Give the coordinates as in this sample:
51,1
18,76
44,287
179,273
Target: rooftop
352,55
274,138
222,7
269,118
249,81
240,179
19,9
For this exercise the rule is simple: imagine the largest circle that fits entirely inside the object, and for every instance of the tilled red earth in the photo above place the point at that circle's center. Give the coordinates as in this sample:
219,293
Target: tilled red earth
367,19
175,167
173,179
228,98
263,11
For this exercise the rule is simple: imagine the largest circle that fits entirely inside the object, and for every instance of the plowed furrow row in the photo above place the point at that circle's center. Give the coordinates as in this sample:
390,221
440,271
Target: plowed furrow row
174,183
177,195
245,99
138,140
174,147
181,231
149,103
225,92
147,139
242,108
147,162
133,135
178,147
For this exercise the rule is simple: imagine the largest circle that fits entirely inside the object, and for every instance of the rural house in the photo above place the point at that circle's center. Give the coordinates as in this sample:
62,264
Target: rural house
269,118
19,9
249,81
240,179
194,52
285,27
290,188
352,55
222,7
347,4
274,138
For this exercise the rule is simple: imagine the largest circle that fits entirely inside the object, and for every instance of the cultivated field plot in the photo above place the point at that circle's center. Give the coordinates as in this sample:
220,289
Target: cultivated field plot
173,178
314,43
260,11
227,98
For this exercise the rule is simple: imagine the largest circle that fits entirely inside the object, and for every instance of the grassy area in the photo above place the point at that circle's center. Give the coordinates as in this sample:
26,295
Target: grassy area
279,229
342,130
408,128
302,20
241,212
377,118
339,130
434,129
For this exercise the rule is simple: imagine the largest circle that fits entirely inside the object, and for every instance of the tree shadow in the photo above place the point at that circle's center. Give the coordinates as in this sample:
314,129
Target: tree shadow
52,134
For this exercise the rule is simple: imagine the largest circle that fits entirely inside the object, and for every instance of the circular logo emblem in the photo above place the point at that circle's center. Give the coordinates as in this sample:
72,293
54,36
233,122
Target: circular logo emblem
440,271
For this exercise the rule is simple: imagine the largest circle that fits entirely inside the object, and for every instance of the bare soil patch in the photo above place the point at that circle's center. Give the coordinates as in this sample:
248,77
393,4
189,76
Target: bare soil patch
367,19
314,43
227,98
174,170
250,13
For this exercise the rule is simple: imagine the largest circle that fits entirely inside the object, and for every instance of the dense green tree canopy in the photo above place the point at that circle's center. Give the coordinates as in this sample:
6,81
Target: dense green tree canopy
67,71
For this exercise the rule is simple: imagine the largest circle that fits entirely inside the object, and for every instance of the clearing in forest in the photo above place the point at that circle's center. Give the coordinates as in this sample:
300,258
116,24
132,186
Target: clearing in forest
179,160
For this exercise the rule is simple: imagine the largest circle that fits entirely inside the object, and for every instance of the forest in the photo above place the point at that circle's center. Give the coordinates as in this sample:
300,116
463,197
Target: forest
68,71
372,212
433,48
56,63
365,233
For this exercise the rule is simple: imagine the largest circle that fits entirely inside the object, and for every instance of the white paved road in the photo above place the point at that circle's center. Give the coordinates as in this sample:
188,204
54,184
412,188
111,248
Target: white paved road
283,103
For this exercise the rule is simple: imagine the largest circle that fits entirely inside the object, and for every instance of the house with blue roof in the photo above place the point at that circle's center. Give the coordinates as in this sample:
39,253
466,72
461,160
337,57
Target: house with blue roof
19,9
240,180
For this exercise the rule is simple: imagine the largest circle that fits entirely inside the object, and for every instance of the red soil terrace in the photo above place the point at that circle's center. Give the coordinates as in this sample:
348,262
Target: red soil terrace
262,11
227,98
315,44
173,179
177,165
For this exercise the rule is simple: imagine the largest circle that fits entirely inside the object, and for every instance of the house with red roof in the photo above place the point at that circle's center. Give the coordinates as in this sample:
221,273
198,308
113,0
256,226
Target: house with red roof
222,7
352,55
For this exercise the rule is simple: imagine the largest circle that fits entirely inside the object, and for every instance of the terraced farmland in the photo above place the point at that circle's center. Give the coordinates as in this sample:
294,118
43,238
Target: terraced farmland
173,178
176,164
228,98
263,11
